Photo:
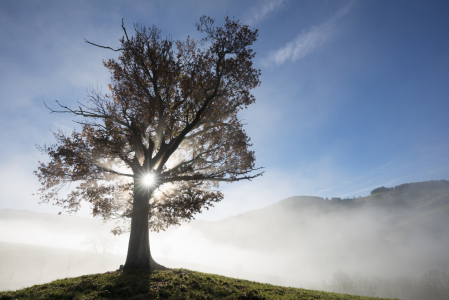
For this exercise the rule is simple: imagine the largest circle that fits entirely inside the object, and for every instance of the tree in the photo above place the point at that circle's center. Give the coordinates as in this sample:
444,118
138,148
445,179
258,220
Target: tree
99,244
156,147
381,189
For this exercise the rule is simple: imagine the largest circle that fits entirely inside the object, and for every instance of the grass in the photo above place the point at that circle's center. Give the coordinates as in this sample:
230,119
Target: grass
170,284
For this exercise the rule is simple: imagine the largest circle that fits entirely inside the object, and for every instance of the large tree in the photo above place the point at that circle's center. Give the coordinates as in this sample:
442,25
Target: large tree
154,149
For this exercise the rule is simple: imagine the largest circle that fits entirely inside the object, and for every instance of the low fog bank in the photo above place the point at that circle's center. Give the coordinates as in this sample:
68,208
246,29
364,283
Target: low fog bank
23,265
393,243
394,235
62,231
432,285
38,248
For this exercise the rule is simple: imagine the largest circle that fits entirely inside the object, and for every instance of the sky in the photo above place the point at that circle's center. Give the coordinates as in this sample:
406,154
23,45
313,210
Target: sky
354,94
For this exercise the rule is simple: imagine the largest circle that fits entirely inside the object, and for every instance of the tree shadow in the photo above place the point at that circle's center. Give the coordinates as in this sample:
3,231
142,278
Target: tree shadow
130,283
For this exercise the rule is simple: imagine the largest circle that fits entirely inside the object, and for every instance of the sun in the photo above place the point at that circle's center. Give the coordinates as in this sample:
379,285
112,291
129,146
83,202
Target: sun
149,179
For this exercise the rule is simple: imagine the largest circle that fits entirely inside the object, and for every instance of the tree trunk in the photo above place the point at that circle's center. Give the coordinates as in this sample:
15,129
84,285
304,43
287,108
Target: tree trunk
139,255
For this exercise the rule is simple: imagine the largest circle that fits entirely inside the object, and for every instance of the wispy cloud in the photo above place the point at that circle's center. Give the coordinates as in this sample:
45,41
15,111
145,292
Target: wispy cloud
307,41
261,12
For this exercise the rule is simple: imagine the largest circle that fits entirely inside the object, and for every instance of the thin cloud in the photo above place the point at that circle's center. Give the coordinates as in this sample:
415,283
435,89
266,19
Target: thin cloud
307,41
260,13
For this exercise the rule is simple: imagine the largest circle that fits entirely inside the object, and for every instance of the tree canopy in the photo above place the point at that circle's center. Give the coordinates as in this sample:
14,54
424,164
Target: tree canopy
171,115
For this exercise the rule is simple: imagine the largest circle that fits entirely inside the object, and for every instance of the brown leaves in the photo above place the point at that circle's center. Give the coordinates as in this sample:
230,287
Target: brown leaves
180,202
172,111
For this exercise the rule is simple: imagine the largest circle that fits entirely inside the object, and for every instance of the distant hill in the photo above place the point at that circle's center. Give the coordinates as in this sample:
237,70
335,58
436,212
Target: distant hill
415,186
63,231
412,219
56,222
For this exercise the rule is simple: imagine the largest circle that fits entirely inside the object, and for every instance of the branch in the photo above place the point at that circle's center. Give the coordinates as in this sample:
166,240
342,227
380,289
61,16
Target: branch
104,169
206,128
120,49
104,47
114,172
174,144
85,114
207,178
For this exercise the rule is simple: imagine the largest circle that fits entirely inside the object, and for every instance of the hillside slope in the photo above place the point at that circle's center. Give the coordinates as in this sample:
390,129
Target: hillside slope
413,211
171,284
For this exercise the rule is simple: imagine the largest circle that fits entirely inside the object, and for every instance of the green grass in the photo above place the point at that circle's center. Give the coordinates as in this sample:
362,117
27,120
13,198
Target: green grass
170,284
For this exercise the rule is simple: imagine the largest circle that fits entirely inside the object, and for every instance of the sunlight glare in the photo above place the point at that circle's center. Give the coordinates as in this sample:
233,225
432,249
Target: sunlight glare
149,179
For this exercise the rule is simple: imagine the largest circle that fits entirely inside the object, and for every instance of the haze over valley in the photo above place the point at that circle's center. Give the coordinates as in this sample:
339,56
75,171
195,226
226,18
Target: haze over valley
398,233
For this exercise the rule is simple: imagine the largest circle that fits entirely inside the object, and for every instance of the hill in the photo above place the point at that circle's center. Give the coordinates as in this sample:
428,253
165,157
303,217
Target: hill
62,231
403,214
170,284
387,235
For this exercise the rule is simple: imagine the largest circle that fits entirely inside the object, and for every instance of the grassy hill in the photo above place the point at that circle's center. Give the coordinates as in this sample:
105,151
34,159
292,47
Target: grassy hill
170,284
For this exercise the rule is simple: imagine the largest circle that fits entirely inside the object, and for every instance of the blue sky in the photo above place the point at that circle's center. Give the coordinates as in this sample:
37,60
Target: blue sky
354,94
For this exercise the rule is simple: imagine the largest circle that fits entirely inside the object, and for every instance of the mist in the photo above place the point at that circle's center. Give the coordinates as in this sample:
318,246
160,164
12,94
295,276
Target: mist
390,244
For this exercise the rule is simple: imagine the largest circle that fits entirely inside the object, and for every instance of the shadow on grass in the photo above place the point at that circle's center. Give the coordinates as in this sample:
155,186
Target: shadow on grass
131,283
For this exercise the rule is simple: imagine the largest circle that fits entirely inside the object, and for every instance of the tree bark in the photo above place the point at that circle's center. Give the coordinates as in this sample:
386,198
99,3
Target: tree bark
139,255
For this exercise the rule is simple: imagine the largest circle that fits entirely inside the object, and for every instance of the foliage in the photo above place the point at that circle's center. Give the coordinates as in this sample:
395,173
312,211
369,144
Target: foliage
414,187
170,284
381,189
172,112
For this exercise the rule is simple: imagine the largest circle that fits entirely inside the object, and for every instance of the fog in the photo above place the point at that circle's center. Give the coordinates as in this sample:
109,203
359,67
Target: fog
380,245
